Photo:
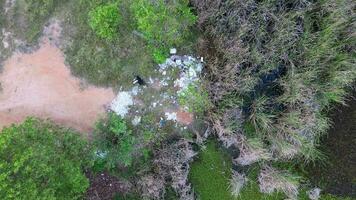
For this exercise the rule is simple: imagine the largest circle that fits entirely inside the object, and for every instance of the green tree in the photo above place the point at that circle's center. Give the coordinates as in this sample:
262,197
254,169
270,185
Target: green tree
39,160
163,24
104,20
114,142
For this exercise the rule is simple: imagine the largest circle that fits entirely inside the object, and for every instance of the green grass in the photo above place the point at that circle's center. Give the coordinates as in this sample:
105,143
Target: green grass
27,18
105,62
210,176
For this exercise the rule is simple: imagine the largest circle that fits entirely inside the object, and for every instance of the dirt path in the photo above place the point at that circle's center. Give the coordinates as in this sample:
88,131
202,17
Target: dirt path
40,84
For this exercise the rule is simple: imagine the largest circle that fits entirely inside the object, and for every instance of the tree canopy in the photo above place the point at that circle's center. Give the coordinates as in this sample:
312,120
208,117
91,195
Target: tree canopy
40,160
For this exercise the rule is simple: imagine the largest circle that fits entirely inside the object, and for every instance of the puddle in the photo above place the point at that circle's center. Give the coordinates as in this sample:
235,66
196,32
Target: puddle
338,176
40,84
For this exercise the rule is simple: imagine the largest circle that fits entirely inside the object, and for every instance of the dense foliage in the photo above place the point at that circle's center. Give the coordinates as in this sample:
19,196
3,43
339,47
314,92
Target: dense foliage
164,24
195,98
114,142
275,68
39,160
104,20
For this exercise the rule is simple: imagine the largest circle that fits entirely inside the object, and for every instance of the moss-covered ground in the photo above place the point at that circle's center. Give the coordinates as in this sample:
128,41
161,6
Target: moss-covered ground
210,176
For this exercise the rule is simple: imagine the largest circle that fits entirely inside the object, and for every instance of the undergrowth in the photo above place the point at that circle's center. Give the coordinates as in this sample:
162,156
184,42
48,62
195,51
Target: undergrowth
27,18
113,54
276,68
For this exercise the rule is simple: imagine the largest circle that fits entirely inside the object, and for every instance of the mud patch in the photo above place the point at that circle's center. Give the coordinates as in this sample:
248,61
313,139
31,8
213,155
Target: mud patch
338,175
40,84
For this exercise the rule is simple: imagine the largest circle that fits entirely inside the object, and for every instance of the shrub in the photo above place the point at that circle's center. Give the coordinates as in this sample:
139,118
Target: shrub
163,24
114,142
39,160
104,20
195,98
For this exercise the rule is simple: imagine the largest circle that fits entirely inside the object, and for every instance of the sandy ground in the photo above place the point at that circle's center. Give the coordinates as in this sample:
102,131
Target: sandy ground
40,84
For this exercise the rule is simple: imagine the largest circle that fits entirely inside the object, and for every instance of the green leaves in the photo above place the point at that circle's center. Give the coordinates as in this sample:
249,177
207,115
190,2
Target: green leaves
104,20
164,25
195,98
113,137
39,160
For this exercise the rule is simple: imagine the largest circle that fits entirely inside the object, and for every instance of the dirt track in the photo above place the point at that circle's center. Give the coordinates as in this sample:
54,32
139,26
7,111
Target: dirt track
39,84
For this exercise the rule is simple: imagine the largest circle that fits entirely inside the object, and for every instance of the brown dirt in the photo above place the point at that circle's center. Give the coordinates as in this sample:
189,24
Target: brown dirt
40,84
104,186
185,118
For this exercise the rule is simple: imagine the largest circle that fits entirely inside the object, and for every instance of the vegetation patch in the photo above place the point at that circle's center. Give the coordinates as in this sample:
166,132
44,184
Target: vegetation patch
159,28
276,67
104,20
40,160
26,18
211,175
109,44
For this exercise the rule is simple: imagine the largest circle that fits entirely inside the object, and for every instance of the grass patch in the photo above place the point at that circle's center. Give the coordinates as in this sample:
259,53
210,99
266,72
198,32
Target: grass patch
210,176
103,62
27,17
124,52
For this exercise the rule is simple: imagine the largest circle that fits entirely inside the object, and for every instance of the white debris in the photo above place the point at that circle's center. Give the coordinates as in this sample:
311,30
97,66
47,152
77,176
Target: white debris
136,121
135,90
151,80
8,5
179,62
173,51
171,116
101,154
7,38
314,194
120,105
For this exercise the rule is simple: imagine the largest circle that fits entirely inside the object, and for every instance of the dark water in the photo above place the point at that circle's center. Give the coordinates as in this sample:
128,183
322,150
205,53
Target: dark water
338,176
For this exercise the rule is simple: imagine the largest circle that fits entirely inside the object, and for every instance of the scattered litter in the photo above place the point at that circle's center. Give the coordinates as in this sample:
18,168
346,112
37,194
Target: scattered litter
171,116
173,51
136,121
101,154
120,105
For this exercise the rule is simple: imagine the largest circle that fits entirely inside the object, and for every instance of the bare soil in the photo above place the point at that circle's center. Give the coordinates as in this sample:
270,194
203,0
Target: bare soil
40,84
104,186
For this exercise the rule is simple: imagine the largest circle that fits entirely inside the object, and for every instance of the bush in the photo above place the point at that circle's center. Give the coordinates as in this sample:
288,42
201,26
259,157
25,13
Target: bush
164,25
114,142
39,160
195,98
104,20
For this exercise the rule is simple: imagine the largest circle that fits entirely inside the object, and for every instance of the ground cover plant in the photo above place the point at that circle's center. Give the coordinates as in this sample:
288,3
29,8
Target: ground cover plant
212,178
40,160
159,28
26,18
104,20
110,48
